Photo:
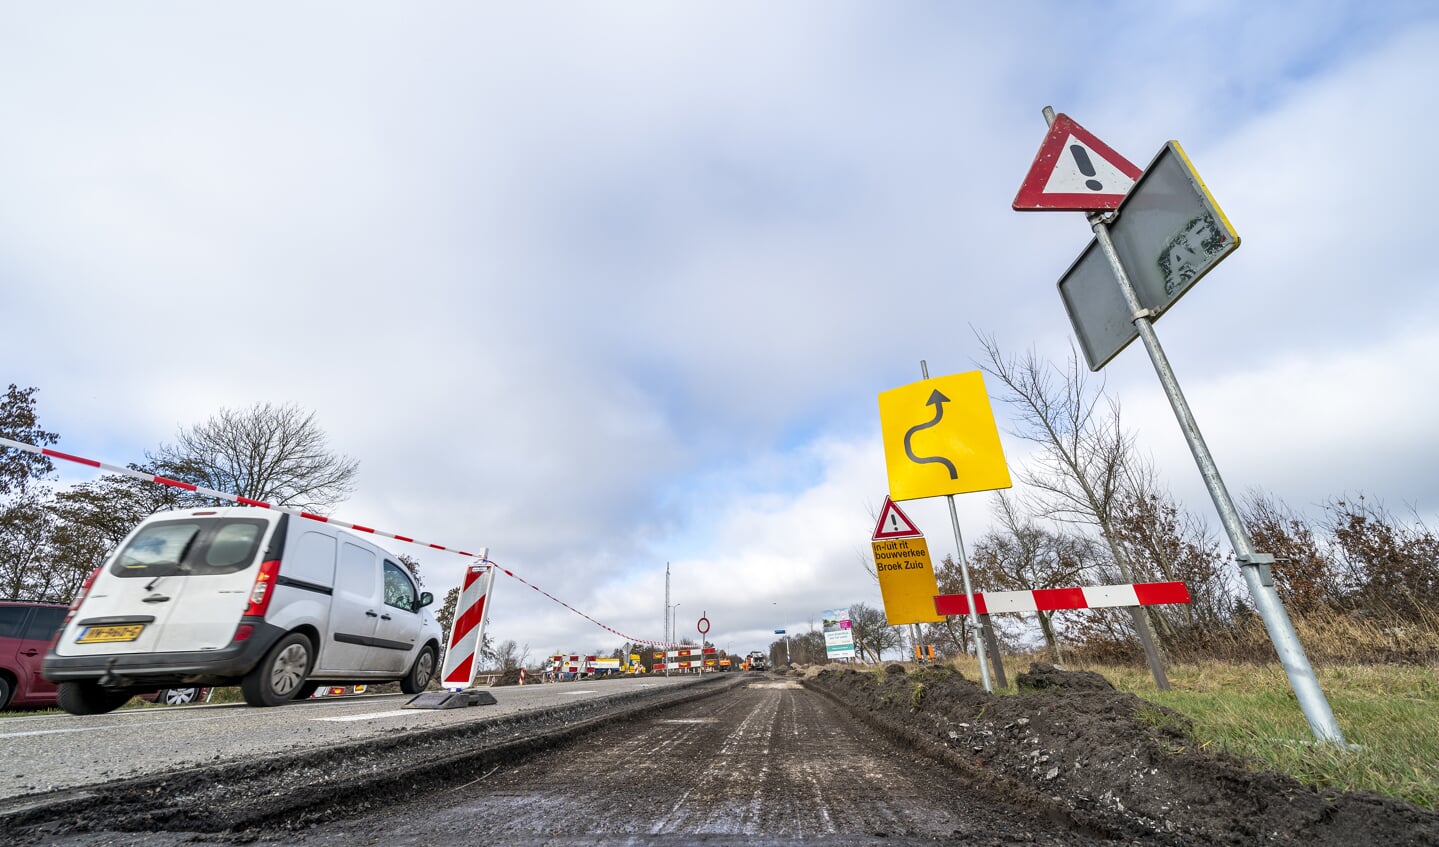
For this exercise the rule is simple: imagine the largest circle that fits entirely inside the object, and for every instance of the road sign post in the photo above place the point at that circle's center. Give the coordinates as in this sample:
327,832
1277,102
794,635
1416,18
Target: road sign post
903,568
1254,565
944,452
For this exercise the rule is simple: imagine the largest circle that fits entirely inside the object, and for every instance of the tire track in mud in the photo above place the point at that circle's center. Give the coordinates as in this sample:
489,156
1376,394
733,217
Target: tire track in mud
767,762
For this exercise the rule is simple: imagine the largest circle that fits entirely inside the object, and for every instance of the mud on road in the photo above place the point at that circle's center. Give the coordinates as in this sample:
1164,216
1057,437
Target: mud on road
840,757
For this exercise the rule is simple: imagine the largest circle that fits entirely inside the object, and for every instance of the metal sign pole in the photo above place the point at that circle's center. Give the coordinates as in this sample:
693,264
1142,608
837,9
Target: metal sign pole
1255,566
979,652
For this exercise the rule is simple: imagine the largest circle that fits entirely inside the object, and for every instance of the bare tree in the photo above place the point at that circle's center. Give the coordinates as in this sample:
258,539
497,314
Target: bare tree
510,656
1025,556
1166,543
1305,574
1083,454
872,632
1390,568
274,454
807,648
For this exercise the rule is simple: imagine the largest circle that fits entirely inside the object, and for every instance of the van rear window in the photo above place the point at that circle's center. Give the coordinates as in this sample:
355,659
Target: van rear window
194,547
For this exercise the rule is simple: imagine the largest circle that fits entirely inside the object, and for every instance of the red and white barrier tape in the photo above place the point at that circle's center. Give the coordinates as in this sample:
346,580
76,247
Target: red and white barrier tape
1059,599
246,501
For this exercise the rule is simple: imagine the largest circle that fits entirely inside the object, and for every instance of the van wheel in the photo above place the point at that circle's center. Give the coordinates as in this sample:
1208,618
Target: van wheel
4,693
419,676
89,698
280,674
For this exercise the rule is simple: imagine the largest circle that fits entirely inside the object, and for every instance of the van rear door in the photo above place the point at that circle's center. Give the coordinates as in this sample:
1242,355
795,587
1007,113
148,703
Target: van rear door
179,583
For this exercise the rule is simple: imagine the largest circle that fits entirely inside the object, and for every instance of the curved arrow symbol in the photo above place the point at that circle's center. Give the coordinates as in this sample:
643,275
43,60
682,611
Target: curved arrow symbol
936,400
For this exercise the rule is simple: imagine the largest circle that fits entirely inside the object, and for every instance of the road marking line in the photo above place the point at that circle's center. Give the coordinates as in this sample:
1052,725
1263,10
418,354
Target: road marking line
394,714
97,728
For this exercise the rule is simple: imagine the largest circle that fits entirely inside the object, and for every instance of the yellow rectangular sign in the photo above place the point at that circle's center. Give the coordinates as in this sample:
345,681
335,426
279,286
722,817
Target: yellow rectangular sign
940,438
906,581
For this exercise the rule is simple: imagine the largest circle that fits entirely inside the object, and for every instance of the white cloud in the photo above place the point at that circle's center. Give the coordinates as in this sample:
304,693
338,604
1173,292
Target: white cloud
603,287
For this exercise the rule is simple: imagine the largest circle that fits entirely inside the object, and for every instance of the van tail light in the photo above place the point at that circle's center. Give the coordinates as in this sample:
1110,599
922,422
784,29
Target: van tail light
75,604
264,589
244,631
84,589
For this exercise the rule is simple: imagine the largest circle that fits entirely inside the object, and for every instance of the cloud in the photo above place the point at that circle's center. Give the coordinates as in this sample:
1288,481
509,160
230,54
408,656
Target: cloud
604,287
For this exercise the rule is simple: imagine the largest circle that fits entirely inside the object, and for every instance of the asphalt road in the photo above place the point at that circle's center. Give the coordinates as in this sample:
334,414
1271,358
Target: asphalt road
45,753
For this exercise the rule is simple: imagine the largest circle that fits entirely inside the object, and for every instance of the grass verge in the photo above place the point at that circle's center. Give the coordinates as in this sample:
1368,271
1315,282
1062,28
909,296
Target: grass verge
1389,715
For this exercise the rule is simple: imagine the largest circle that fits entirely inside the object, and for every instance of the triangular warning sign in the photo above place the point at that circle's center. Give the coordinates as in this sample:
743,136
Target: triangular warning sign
1074,172
894,524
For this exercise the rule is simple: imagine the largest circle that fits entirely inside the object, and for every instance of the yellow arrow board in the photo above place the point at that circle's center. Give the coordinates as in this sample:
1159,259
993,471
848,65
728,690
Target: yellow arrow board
906,580
940,438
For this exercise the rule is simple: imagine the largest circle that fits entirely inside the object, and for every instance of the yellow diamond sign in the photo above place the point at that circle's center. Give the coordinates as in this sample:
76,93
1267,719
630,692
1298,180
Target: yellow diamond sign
940,438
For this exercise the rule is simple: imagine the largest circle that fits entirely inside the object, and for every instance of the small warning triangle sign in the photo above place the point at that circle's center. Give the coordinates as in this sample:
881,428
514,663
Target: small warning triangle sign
894,524
1074,172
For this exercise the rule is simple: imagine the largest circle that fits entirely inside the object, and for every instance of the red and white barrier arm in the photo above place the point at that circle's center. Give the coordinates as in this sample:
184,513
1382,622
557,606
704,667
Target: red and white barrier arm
246,501
209,492
1060,599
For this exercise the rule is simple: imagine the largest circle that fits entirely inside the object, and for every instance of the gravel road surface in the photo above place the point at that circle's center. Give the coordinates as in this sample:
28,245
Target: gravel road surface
752,759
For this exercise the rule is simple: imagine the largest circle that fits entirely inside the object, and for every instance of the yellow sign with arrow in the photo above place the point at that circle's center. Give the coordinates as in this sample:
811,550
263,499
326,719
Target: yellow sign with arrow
940,438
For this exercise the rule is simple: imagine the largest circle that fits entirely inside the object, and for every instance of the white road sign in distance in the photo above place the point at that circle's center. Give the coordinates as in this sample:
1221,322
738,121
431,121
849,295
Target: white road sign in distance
1168,233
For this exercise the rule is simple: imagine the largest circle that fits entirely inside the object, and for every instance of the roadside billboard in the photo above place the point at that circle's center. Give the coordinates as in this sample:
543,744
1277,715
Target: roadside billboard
838,637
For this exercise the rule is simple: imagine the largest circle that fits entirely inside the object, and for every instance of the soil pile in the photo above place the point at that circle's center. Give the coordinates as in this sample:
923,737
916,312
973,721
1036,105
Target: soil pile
1116,762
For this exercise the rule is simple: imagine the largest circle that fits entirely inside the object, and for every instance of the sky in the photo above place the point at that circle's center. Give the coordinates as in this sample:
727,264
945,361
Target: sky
611,287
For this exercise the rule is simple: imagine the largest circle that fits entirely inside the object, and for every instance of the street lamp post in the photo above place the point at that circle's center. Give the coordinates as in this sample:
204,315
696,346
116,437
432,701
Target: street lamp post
785,631
670,634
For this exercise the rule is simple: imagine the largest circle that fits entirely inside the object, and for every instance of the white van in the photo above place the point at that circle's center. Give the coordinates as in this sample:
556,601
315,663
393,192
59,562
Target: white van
278,604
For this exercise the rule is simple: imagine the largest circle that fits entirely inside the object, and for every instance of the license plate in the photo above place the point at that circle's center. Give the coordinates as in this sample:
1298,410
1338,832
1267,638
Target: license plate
106,634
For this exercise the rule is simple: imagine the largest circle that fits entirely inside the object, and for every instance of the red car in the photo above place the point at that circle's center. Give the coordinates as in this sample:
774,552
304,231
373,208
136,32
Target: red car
26,628
25,631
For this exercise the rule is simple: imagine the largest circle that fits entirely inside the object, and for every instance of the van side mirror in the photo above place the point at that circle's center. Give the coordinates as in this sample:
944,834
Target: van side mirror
426,598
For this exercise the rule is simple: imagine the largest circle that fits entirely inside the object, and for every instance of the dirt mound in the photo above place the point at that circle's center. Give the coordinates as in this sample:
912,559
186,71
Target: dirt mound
509,677
1118,763
1041,676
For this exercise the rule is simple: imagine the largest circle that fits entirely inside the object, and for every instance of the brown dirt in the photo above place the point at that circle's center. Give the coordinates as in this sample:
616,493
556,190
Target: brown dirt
1117,762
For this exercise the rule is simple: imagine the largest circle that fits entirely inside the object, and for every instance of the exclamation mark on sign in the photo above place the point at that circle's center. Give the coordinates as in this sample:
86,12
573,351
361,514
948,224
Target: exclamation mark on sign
1086,167
894,523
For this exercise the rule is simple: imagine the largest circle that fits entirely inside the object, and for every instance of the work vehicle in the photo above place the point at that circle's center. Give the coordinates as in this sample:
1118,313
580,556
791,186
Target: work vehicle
276,604
756,661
